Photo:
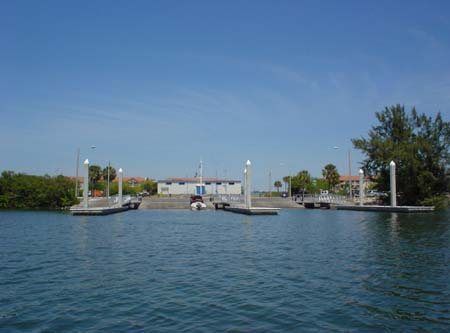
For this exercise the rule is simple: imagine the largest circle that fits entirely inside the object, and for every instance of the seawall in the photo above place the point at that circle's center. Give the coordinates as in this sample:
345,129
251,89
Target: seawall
182,202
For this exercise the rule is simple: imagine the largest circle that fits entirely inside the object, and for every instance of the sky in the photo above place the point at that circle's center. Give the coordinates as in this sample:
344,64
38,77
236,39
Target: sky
156,86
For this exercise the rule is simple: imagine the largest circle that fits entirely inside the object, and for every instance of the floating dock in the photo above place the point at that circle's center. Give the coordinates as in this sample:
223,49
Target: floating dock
395,209
252,210
105,206
97,210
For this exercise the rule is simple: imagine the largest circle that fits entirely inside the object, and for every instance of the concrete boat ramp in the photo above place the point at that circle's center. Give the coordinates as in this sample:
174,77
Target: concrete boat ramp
243,204
104,206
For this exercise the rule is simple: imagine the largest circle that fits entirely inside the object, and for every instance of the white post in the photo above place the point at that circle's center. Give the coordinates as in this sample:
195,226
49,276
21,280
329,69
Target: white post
120,187
109,167
247,184
77,169
86,184
393,185
350,182
270,183
361,187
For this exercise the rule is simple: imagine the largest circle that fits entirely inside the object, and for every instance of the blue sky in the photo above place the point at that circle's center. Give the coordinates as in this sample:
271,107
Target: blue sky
157,85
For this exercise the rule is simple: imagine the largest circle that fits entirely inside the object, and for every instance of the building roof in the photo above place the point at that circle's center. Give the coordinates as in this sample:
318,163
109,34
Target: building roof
352,178
197,180
125,179
137,179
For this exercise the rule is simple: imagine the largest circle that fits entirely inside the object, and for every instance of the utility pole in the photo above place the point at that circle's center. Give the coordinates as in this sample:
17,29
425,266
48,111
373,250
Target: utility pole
350,174
77,170
270,183
109,167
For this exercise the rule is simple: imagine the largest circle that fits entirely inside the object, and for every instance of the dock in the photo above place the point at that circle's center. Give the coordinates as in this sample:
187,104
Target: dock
105,206
236,204
395,209
98,210
252,210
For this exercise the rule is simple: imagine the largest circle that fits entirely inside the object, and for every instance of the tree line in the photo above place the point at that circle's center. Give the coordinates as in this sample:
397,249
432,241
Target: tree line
21,191
418,144
304,182
98,180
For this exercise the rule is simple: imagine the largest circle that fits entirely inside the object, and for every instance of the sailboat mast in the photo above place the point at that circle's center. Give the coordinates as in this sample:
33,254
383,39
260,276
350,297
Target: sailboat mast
201,173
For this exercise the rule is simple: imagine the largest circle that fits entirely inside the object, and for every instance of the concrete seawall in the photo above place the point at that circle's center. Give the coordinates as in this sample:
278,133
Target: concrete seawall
177,202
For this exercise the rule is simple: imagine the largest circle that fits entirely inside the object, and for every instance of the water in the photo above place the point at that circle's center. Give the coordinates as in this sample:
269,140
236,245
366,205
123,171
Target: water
213,271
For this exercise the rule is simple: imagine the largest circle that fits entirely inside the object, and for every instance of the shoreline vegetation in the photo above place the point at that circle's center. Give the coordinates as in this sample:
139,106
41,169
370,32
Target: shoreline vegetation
418,144
22,191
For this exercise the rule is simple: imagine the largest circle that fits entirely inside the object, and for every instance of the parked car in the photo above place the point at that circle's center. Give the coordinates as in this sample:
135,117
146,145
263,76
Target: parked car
284,195
375,193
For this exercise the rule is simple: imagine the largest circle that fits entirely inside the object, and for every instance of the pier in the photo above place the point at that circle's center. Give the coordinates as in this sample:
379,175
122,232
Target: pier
327,201
105,206
242,204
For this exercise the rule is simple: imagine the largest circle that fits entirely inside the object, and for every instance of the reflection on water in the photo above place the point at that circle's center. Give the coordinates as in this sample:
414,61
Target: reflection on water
304,270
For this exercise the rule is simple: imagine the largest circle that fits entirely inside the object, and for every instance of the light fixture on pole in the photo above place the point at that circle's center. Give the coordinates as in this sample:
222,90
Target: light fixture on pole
349,172
290,178
76,176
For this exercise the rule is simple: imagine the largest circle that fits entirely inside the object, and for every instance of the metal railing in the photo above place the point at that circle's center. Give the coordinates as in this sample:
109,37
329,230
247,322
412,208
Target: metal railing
228,198
325,198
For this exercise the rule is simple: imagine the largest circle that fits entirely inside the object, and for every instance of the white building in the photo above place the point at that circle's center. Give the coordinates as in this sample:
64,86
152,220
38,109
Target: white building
174,186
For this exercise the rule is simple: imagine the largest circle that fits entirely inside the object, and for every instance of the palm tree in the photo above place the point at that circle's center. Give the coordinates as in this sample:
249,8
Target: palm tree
277,184
331,175
301,181
286,181
95,174
112,173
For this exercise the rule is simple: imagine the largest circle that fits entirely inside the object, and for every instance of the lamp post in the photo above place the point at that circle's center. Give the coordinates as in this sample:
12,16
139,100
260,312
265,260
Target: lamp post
290,178
76,176
350,192
93,189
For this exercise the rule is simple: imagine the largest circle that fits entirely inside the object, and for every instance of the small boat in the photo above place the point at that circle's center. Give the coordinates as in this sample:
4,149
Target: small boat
197,202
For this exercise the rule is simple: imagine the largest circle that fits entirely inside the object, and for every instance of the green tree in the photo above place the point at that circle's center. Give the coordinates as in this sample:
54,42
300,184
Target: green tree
286,182
419,145
277,184
150,186
21,191
112,173
301,181
95,174
331,175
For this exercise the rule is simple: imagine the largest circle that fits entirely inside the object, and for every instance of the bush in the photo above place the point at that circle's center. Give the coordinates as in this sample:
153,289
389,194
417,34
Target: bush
439,202
23,191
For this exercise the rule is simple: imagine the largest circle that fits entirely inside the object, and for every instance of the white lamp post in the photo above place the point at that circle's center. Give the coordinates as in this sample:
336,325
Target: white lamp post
350,192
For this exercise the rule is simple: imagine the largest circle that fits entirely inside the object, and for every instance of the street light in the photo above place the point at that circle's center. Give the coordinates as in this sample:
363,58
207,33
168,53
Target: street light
290,179
349,172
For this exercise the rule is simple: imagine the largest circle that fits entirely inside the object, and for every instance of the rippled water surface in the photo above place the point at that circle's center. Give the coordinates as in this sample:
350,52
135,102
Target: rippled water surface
213,271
